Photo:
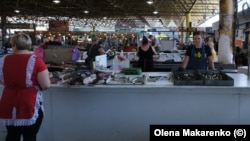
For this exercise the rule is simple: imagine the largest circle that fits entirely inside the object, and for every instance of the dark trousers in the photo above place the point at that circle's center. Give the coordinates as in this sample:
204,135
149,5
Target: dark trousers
29,133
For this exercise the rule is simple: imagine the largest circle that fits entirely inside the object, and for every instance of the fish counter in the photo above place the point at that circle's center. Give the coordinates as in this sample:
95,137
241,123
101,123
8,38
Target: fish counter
125,112
158,79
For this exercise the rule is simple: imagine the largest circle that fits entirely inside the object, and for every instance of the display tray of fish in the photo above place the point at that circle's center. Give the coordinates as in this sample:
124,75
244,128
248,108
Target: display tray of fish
125,80
202,77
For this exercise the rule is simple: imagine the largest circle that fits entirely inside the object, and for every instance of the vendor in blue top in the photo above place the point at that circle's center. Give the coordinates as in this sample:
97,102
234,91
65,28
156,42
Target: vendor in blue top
198,55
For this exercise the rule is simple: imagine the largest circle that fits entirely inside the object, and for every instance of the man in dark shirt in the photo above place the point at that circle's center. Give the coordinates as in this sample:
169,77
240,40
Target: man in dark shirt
93,50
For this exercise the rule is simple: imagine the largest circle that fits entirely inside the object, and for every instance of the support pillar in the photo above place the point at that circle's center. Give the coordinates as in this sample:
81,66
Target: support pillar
245,44
182,33
188,15
225,49
4,32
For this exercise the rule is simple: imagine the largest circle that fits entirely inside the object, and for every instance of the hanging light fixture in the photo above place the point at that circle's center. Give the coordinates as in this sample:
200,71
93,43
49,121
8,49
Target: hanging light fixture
17,6
17,11
150,2
155,12
56,1
86,11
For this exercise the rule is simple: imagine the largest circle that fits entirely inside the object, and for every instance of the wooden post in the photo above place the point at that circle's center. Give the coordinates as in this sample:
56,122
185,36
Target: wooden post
225,51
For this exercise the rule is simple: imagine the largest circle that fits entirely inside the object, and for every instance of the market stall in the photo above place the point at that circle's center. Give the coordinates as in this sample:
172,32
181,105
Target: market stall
124,112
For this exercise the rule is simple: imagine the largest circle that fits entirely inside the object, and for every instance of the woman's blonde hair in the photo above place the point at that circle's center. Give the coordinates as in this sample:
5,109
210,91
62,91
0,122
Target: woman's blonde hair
21,41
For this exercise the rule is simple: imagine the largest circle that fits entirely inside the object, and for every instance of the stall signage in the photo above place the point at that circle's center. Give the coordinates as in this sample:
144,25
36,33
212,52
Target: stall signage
19,26
158,30
209,29
201,29
163,30
182,29
173,28
58,26
152,30
191,29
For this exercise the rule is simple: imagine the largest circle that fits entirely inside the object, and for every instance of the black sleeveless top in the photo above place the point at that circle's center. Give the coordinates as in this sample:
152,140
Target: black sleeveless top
146,62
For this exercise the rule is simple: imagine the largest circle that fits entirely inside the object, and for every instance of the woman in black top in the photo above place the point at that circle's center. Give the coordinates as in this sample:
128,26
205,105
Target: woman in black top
198,55
145,54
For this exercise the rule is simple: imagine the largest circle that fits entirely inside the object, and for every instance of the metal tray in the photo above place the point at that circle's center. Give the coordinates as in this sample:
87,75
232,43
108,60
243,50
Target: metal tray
202,77
187,77
216,78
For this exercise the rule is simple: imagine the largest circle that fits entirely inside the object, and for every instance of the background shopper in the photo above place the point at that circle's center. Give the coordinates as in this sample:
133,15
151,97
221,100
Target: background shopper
93,50
145,54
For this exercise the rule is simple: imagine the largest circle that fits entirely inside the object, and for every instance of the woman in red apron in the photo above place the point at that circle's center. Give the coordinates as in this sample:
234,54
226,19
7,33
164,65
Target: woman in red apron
23,76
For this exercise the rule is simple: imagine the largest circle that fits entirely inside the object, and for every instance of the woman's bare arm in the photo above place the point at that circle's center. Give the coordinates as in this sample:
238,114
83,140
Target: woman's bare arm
43,79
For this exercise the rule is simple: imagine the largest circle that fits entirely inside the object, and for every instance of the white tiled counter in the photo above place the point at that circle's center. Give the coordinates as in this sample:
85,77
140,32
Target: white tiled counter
243,69
124,113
